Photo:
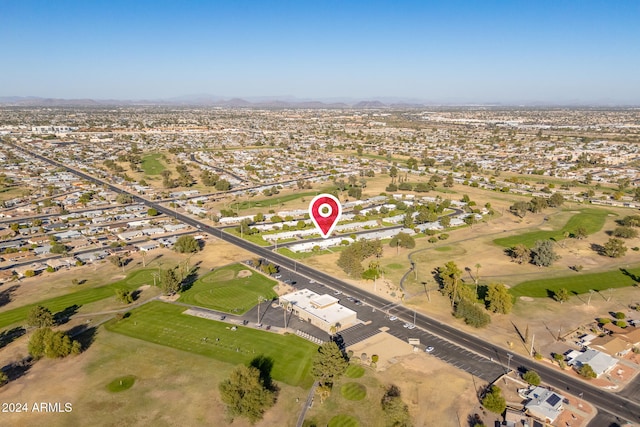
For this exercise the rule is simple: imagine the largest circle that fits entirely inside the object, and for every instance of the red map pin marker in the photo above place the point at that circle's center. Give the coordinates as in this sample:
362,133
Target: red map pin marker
325,211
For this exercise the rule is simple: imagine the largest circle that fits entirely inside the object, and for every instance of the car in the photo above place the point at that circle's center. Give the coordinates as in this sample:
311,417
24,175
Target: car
406,325
312,281
245,322
223,317
337,292
278,276
258,325
429,349
268,328
411,326
393,318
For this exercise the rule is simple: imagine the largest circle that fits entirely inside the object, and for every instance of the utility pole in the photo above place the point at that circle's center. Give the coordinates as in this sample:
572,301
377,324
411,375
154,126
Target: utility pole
533,338
510,356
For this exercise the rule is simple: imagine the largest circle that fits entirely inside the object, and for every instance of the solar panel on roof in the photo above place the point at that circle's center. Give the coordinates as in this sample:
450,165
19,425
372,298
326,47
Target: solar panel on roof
553,399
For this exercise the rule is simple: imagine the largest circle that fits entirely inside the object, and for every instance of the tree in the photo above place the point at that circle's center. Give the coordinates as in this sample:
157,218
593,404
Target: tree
556,200
542,253
124,296
124,198
580,233
625,232
532,377
402,240
561,295
499,298
445,221
40,317
472,313
328,364
393,173
52,344
587,371
223,185
58,248
449,276
494,400
152,212
519,208
118,261
520,253
245,394
395,410
614,248
169,282
3,378
186,244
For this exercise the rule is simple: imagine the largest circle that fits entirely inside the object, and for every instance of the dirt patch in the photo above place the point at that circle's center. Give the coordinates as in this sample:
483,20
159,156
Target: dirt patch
170,298
244,273
386,346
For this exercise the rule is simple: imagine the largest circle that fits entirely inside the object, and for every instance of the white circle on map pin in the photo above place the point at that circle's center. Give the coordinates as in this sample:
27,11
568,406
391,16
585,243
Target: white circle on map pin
321,210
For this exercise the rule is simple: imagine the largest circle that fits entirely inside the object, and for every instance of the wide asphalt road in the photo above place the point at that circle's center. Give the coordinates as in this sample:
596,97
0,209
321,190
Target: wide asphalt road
604,401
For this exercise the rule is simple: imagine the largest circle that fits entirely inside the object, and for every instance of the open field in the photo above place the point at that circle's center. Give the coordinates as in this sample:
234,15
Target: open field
164,324
578,283
591,219
78,298
151,164
171,387
225,290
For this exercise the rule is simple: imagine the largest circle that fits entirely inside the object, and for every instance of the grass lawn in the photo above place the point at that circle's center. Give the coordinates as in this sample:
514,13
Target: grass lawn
354,371
223,290
353,391
78,298
253,238
272,201
591,219
151,164
302,255
343,420
121,384
578,283
164,324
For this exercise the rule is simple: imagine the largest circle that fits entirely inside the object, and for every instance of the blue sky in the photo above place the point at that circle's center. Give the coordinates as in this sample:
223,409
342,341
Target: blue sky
439,51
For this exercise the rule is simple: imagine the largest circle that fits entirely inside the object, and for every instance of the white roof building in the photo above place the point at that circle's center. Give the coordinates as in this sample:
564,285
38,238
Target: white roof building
323,311
600,362
544,404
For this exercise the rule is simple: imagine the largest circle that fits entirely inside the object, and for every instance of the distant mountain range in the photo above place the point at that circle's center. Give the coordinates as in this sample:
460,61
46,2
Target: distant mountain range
204,100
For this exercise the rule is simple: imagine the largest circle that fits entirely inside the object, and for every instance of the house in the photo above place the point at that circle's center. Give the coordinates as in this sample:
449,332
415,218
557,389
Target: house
600,362
322,311
612,345
148,246
544,404
631,335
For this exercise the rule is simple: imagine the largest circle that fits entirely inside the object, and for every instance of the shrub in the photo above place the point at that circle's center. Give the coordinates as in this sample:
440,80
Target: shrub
619,315
537,356
604,320
374,358
532,377
621,324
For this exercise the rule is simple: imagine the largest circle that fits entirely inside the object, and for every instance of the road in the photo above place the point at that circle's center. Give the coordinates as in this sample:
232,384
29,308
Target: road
604,401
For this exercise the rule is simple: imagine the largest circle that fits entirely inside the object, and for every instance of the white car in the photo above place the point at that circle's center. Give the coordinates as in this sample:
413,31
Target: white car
429,349
411,326
406,325
393,318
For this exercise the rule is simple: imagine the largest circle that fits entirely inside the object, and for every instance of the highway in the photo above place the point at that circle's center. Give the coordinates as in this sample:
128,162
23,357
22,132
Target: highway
604,401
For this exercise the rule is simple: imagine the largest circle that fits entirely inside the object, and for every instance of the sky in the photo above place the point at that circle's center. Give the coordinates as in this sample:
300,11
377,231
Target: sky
510,52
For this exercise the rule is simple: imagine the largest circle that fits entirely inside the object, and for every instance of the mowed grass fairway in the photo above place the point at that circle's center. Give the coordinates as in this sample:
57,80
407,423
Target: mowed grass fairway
591,219
577,282
224,290
164,323
79,298
151,164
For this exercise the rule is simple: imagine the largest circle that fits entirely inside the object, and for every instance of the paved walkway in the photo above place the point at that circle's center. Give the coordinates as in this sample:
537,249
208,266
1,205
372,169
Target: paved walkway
307,404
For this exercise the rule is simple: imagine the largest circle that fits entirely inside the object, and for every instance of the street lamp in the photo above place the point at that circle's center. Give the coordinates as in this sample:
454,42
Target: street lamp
510,356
